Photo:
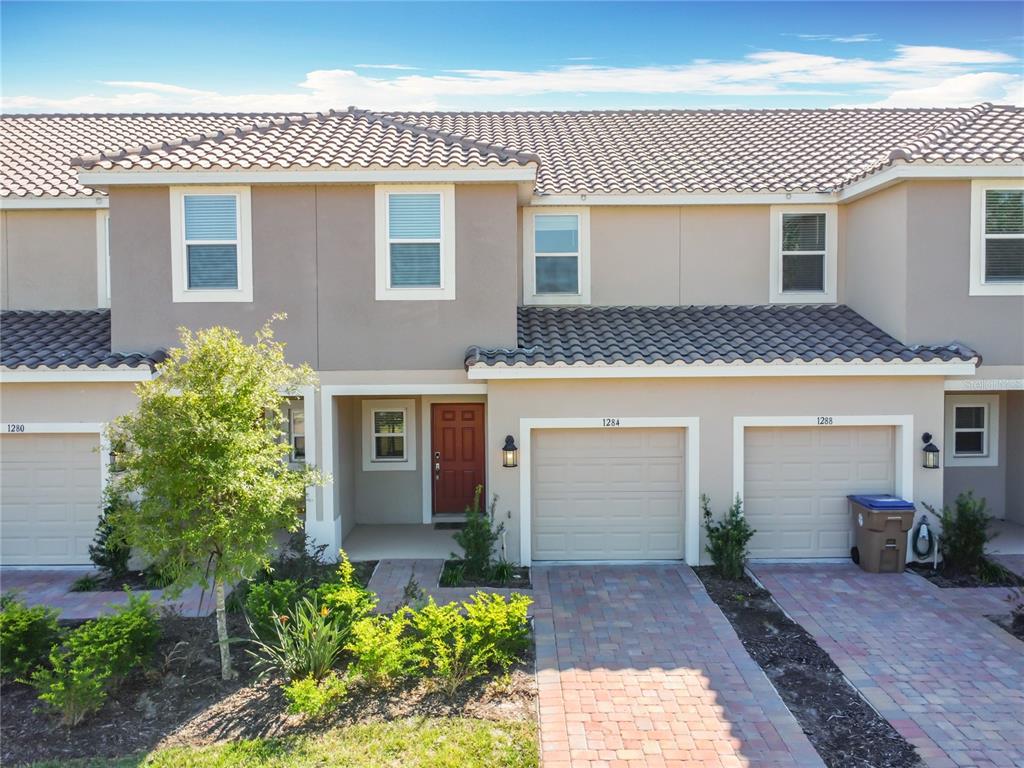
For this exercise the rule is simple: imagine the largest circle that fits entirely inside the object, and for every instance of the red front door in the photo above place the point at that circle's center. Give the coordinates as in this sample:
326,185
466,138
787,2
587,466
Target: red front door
457,454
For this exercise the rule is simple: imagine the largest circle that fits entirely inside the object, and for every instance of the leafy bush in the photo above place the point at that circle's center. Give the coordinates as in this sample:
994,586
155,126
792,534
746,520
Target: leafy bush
314,698
300,560
347,599
503,571
451,653
26,636
382,651
479,537
267,600
90,582
108,550
501,626
453,573
307,642
964,534
95,657
727,539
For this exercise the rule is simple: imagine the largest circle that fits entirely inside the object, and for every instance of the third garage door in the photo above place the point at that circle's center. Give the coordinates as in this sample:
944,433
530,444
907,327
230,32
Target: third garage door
608,494
796,480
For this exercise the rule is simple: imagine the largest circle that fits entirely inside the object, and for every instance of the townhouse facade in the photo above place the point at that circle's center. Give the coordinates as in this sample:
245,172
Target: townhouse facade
598,316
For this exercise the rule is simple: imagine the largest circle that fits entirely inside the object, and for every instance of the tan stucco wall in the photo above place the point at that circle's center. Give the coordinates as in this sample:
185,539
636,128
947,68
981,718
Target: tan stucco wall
1014,456
48,259
986,482
715,401
873,231
99,402
939,308
725,254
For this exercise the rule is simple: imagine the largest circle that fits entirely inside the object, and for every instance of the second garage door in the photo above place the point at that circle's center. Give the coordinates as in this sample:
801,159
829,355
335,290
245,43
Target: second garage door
607,494
796,480
49,498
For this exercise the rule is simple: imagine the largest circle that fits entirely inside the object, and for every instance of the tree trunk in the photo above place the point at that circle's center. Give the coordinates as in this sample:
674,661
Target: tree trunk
226,672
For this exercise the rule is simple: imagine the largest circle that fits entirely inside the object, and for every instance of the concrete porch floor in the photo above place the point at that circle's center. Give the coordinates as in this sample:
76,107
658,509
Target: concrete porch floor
415,542
1009,539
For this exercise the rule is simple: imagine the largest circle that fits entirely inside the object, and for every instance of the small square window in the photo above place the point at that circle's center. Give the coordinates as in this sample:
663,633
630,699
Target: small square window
803,253
389,434
972,437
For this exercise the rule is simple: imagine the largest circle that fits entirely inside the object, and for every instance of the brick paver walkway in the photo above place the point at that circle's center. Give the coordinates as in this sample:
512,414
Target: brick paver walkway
638,668
390,578
947,678
52,587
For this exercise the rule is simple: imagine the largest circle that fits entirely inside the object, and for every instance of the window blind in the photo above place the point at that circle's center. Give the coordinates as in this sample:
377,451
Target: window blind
211,217
212,266
803,232
1004,212
413,217
211,234
1004,235
556,234
803,272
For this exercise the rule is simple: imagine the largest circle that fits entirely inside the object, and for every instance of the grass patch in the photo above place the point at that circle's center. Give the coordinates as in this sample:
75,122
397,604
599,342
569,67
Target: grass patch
407,743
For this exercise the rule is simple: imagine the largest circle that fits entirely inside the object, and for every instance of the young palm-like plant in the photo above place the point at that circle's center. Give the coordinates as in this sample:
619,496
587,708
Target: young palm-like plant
307,642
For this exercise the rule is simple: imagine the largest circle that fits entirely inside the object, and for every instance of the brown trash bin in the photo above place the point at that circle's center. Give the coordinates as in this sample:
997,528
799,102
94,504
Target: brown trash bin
880,524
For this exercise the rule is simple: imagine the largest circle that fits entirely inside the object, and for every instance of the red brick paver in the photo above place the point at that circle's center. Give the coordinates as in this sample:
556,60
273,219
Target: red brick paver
637,667
946,677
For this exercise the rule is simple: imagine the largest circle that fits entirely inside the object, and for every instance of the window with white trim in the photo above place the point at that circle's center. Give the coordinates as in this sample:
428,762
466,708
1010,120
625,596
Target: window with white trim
415,242
389,439
556,254
997,238
803,253
294,428
211,244
972,430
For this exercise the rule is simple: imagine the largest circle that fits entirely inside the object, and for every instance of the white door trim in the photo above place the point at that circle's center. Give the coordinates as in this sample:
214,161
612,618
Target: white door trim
904,455
691,492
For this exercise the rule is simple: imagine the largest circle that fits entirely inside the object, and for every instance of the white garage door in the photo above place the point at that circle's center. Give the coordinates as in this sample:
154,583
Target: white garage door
607,494
796,480
49,498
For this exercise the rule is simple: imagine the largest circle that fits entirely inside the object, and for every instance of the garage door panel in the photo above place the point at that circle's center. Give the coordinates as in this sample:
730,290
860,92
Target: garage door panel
49,498
607,494
796,481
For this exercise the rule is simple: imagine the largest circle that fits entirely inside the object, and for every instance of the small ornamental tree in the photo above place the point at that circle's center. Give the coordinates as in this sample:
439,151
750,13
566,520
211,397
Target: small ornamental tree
204,454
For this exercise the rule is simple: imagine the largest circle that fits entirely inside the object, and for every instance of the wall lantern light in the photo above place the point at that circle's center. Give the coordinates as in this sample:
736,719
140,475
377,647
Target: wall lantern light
509,453
931,453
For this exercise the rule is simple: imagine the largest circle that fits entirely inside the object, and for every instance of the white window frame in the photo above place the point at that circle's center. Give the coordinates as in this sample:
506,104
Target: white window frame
103,258
293,406
382,249
530,295
978,286
370,462
831,266
991,431
179,262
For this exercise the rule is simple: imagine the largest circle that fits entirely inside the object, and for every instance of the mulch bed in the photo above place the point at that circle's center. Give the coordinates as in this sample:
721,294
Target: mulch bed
1006,621
948,580
845,730
182,701
520,579
134,580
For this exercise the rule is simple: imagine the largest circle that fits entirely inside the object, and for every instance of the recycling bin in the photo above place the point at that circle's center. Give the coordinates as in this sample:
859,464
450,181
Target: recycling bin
880,525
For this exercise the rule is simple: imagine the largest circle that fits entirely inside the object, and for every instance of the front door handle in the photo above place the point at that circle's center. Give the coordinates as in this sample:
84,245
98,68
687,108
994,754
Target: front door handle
437,471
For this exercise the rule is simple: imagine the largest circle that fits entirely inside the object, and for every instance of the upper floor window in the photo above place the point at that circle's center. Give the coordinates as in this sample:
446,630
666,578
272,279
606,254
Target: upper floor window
803,253
211,244
997,238
972,430
556,254
415,242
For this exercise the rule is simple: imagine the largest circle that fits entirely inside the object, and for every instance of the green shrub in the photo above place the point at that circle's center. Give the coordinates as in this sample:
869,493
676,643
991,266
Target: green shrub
91,582
727,539
347,599
964,534
267,600
26,636
451,654
307,642
95,657
503,571
500,626
314,698
478,537
453,573
300,560
382,650
108,550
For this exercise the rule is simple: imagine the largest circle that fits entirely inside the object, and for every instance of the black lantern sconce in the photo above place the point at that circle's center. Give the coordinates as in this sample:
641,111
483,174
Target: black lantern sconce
510,453
931,453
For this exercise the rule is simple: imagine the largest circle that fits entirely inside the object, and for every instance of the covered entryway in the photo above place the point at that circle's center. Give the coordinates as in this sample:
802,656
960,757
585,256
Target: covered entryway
50,494
608,494
796,480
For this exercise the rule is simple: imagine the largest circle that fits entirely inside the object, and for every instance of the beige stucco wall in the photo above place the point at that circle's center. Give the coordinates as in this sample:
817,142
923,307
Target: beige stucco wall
939,308
48,259
873,231
98,402
725,254
1014,456
715,402
986,482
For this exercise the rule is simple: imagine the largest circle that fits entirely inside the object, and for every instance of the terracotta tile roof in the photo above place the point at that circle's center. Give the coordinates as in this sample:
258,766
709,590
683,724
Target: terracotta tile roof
64,338
36,150
355,138
773,333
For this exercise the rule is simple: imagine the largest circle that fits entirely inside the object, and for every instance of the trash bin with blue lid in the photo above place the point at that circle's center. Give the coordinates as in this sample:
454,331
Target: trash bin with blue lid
880,525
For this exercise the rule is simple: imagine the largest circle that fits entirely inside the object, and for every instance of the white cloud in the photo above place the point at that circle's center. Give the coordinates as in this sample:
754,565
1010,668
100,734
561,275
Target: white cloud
383,66
863,37
913,74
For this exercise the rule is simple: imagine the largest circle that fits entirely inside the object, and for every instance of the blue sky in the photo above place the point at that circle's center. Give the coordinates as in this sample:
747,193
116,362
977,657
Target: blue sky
305,56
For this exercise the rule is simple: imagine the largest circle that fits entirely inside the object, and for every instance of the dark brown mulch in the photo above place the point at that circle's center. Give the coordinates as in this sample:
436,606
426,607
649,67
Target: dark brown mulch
520,579
949,579
845,730
1005,620
137,581
183,701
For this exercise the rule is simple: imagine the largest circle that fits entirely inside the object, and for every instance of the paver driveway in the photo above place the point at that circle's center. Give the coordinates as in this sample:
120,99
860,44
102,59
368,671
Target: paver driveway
638,667
950,681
